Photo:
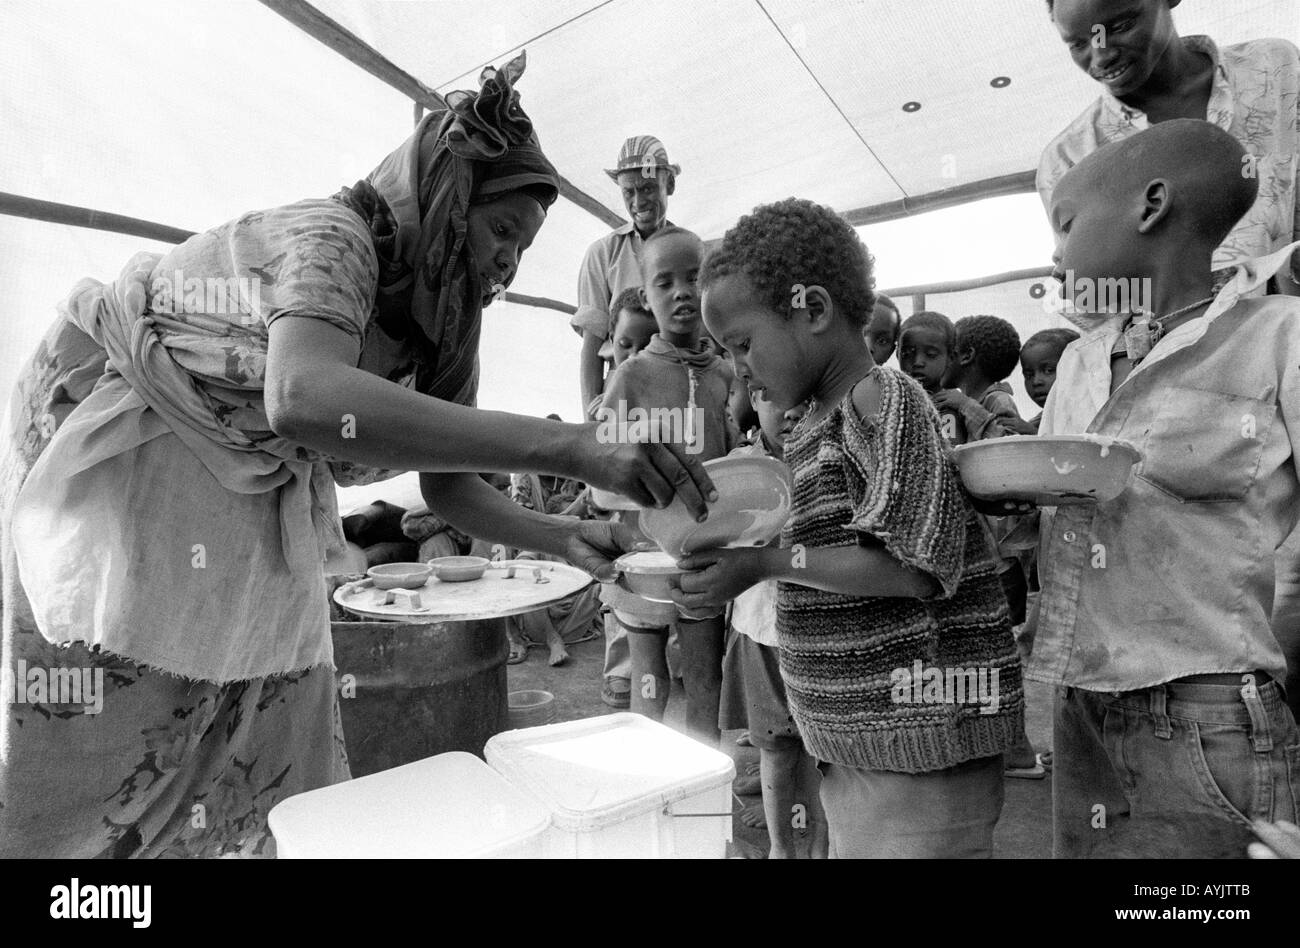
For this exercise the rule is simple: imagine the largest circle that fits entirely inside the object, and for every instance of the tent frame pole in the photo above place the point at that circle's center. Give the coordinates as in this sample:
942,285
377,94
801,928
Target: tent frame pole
51,212
352,48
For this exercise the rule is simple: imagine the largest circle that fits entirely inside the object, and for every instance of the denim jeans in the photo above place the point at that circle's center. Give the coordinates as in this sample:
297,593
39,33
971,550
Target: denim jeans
1174,771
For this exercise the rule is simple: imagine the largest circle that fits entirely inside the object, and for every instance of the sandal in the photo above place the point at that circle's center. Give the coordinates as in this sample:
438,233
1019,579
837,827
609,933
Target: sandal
616,697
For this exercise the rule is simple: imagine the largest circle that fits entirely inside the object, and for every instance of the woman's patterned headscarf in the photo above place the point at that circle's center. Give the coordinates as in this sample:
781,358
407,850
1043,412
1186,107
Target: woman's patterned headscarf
479,148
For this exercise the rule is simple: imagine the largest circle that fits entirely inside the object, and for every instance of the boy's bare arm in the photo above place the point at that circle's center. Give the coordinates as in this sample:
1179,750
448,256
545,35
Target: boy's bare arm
717,576
983,423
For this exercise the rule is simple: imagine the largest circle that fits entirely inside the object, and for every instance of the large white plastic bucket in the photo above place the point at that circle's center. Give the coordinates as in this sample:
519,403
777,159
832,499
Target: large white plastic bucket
445,807
621,786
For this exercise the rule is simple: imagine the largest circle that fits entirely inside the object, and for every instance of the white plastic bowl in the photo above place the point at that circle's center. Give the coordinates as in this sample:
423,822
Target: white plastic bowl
753,504
649,574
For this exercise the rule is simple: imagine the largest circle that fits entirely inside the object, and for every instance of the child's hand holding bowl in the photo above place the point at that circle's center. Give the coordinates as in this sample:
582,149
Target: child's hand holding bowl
715,577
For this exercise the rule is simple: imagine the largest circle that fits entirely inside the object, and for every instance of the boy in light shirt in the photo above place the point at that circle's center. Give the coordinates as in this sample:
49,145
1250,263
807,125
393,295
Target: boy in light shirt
1171,730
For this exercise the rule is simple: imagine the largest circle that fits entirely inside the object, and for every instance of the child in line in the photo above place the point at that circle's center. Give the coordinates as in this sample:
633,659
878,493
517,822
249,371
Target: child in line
1038,360
883,328
753,695
1170,717
927,350
633,325
986,351
671,374
883,565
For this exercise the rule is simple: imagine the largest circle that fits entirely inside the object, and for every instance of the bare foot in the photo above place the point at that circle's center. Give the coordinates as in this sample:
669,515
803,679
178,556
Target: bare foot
754,818
518,649
559,654
748,785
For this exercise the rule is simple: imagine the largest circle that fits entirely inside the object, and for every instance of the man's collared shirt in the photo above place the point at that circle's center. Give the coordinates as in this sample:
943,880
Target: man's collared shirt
612,265
1176,576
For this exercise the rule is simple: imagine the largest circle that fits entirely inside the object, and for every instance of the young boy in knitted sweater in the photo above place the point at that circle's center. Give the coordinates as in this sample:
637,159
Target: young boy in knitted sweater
895,644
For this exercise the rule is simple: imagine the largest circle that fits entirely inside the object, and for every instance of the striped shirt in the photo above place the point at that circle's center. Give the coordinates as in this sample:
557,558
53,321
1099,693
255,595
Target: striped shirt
890,478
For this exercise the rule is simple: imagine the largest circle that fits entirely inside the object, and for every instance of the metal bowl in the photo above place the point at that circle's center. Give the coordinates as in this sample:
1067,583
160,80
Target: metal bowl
459,569
399,575
1048,470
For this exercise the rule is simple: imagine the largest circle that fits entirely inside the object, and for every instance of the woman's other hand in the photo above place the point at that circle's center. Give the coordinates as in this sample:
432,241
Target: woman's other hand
593,545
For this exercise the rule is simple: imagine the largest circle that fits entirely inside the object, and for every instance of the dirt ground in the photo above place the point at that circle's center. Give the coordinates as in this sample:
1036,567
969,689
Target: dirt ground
1025,830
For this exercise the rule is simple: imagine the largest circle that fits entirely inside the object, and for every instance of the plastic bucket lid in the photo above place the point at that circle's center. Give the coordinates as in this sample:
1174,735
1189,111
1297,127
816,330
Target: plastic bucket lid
445,807
600,771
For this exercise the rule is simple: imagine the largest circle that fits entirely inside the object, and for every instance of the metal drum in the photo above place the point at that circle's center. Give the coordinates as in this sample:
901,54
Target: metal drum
419,689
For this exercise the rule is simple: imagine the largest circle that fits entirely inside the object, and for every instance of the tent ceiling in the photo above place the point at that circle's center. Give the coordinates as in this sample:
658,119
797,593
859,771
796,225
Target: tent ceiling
760,99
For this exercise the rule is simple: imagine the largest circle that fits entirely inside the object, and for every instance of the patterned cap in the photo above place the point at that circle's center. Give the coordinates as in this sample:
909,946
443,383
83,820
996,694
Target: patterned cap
643,153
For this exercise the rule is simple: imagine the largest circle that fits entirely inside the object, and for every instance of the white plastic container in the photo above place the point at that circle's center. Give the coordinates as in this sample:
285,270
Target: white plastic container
621,786
450,806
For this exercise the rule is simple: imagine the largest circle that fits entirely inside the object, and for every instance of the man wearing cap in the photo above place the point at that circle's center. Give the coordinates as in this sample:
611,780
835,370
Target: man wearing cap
612,265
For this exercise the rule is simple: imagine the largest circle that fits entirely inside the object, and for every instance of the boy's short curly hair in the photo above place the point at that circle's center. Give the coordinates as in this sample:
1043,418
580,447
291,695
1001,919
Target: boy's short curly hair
628,299
929,319
996,344
778,246
1057,338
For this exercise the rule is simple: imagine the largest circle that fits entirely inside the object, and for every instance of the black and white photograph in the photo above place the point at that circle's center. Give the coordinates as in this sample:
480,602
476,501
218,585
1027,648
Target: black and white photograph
652,429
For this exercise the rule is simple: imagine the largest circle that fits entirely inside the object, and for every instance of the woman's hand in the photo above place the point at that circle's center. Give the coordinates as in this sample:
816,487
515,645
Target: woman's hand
593,545
715,577
650,473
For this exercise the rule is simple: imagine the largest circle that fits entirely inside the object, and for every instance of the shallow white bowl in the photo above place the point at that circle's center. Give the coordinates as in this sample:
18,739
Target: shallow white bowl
1048,470
459,569
648,574
399,575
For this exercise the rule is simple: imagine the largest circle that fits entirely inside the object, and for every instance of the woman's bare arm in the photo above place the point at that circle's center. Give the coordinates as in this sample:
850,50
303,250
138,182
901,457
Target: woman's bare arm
317,397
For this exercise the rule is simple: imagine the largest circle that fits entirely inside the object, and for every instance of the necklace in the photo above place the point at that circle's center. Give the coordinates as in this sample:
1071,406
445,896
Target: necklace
1143,330
692,429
